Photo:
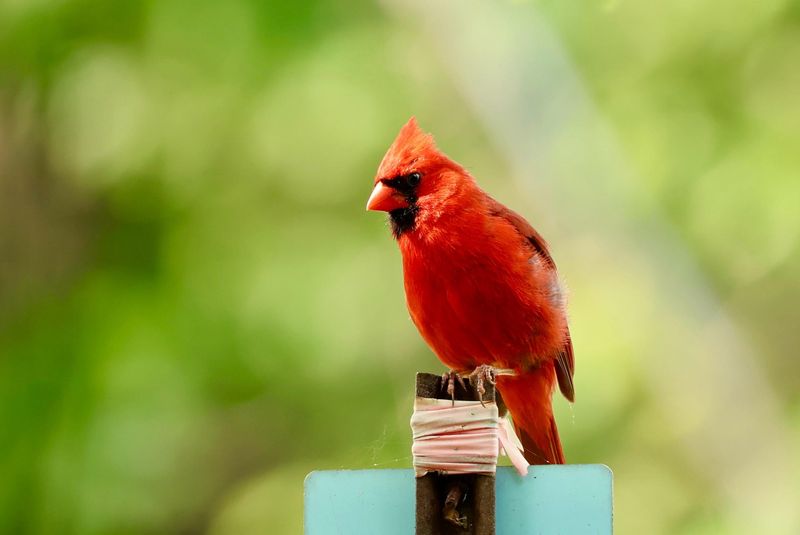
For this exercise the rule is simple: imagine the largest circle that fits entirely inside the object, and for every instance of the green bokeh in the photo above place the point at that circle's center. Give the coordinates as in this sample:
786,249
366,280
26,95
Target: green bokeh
196,311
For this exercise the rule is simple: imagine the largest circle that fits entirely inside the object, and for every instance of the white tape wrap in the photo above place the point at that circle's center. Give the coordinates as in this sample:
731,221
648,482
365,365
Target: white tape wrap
461,437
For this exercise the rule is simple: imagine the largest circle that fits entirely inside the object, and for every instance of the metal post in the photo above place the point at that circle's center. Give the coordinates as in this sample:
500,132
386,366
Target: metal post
468,497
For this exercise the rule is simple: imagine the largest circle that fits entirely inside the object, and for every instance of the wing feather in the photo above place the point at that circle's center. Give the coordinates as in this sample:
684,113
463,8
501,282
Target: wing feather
565,362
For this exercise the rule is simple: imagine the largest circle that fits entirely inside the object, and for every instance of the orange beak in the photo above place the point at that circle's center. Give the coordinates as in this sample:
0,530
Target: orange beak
385,199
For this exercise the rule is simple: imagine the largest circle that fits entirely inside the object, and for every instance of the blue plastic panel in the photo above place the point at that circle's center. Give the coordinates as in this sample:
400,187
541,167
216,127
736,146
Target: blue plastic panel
568,499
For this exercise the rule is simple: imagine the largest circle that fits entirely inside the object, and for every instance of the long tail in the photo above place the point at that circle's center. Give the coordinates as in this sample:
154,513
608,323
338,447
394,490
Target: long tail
528,397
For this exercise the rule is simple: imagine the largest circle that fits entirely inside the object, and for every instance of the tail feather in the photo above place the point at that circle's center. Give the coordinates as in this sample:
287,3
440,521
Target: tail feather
528,397
545,448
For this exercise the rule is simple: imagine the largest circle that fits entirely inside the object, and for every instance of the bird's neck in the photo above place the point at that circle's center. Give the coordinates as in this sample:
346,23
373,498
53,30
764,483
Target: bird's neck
440,224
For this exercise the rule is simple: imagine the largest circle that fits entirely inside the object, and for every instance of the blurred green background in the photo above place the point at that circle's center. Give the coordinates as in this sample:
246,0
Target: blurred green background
196,311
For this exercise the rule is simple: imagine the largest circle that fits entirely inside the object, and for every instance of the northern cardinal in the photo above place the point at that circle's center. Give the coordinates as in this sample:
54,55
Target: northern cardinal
480,284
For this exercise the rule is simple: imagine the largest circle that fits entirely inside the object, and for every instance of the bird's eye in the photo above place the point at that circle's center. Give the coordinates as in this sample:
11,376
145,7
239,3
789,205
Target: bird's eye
413,179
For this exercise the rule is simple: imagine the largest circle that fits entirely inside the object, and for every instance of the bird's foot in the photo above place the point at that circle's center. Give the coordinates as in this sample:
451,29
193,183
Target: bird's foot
480,376
449,383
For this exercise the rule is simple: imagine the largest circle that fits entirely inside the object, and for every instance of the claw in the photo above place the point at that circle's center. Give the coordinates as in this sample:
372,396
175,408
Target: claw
481,374
449,383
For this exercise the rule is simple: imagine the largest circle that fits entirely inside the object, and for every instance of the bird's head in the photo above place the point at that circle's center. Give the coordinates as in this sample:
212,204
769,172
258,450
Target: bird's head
413,177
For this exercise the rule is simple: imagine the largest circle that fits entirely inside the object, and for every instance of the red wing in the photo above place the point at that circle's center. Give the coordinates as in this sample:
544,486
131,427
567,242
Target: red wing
565,369
565,363
534,239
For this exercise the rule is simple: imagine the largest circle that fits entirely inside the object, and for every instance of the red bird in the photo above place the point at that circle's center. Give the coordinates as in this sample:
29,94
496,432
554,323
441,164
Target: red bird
480,284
